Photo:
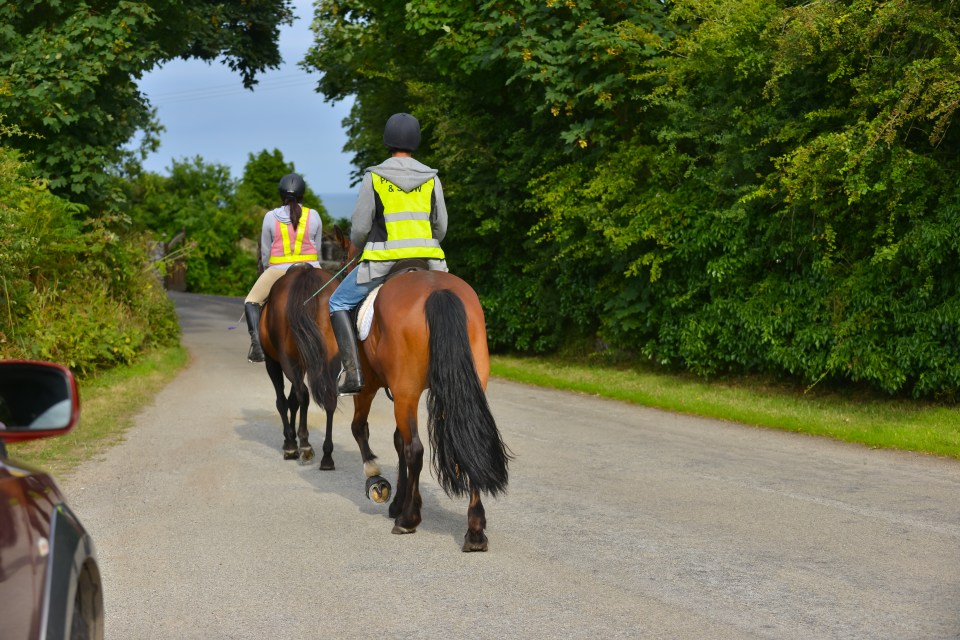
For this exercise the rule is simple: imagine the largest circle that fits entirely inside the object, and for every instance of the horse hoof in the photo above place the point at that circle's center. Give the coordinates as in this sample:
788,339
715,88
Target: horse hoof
306,456
326,464
378,489
474,543
395,508
397,529
290,454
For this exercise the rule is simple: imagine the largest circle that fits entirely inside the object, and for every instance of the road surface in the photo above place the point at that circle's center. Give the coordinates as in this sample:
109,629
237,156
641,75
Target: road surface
620,522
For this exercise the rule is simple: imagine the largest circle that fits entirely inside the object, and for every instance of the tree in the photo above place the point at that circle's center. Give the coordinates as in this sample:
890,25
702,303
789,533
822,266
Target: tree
257,191
68,73
199,200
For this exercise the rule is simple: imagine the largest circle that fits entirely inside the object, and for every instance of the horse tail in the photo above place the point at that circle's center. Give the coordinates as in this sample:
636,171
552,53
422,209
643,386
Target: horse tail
467,449
302,317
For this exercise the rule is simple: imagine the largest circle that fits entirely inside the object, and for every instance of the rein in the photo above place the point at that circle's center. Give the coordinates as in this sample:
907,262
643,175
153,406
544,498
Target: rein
342,269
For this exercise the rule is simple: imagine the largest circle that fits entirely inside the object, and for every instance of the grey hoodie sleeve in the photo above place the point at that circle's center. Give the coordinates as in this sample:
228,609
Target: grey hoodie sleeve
362,220
438,221
266,238
316,230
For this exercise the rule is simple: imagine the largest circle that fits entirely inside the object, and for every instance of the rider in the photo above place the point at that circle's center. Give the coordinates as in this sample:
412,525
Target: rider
400,213
290,235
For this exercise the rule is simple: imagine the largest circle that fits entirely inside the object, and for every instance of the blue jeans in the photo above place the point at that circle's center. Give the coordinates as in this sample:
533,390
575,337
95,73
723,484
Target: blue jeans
350,293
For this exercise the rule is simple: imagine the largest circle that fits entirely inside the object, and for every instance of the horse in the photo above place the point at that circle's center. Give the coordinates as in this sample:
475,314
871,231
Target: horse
294,331
428,333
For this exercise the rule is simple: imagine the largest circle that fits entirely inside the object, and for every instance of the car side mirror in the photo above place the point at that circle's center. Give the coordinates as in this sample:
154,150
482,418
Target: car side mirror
37,400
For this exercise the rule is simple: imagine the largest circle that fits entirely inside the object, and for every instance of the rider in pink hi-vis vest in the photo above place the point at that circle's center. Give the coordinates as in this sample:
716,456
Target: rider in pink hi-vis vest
290,235
292,245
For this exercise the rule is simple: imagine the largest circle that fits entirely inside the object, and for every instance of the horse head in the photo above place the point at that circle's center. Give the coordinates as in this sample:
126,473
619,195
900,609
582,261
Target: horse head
350,250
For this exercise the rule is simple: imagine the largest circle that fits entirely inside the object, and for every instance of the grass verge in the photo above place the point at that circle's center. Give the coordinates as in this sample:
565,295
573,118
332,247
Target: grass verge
108,404
871,421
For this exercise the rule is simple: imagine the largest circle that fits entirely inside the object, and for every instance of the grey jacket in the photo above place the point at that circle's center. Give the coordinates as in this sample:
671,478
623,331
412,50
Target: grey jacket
406,173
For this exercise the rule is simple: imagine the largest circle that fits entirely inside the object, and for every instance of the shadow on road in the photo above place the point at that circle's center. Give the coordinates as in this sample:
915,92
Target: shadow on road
440,515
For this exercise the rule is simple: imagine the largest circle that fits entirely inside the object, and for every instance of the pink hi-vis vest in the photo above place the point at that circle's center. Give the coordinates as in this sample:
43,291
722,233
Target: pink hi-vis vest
287,250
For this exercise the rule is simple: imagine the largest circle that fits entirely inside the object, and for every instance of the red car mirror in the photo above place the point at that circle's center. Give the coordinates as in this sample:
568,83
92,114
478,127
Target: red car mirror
37,400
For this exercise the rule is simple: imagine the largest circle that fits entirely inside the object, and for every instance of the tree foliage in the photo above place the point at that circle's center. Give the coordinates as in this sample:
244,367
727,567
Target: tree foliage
218,217
77,285
717,185
257,189
76,289
68,73
504,93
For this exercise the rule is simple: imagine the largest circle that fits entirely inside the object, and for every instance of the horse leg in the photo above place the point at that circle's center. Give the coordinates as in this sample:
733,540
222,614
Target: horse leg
293,406
405,410
306,453
326,462
475,539
397,505
283,407
290,449
377,487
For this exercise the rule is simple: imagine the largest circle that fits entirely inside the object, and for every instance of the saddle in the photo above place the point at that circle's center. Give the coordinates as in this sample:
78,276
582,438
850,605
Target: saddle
408,264
363,313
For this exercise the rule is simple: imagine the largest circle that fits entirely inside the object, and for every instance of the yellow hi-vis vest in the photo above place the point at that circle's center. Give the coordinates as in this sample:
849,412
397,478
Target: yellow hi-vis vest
301,250
405,223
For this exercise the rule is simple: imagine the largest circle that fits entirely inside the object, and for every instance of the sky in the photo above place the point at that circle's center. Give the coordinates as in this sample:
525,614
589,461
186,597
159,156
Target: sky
207,112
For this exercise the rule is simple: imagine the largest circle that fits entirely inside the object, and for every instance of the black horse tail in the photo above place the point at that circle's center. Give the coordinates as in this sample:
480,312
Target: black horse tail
302,317
467,449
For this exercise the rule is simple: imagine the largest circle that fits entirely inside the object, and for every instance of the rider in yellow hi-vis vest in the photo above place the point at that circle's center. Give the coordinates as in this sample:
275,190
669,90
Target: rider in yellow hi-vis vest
406,220
400,213
290,235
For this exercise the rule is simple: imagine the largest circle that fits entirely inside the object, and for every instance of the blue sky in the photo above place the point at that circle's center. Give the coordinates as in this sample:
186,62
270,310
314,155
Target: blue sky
207,112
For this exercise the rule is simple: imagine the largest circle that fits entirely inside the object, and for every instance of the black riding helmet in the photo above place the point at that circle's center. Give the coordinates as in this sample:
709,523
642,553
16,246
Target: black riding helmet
402,132
291,186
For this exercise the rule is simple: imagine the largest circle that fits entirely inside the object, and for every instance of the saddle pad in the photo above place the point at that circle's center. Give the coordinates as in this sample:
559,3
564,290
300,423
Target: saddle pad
365,314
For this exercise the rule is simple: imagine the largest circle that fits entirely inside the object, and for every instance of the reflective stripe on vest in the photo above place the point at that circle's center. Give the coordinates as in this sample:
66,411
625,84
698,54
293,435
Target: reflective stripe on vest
406,215
282,252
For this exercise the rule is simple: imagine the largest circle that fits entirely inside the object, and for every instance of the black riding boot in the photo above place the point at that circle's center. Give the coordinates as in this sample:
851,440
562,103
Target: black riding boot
351,378
252,312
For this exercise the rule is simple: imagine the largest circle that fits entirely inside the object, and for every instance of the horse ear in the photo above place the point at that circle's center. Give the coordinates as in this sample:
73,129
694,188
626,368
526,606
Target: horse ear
342,240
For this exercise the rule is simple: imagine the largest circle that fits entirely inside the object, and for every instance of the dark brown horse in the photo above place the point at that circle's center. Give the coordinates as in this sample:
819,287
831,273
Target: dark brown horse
294,331
428,332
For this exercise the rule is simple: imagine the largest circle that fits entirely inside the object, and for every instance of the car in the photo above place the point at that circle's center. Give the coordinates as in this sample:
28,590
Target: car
50,584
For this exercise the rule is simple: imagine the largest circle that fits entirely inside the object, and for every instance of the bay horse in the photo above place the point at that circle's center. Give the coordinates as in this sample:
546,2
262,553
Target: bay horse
428,333
294,331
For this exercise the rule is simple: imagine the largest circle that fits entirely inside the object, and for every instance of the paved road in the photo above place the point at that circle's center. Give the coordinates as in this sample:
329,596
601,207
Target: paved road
620,522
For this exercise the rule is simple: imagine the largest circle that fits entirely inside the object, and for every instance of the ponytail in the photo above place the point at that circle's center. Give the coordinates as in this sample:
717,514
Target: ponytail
295,211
